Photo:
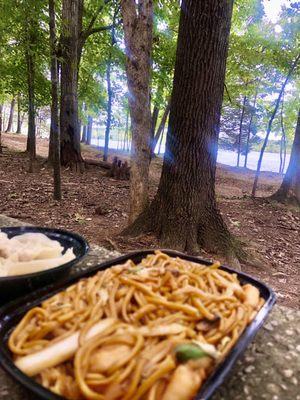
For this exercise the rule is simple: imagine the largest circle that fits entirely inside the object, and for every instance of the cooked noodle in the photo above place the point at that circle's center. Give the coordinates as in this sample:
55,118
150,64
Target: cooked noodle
151,331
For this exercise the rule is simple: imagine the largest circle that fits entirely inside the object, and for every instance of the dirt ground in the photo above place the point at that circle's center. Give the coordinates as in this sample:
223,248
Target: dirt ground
97,207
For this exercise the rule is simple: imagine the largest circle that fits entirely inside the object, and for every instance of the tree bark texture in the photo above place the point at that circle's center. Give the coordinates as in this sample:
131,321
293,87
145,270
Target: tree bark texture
108,108
269,128
184,213
69,126
54,128
290,187
89,130
138,27
11,116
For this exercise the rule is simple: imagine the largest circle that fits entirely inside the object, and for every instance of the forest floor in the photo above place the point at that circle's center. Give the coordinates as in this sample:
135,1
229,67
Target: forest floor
96,207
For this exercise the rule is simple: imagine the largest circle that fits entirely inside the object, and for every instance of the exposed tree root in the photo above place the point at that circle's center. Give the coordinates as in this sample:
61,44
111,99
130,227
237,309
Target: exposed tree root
193,238
285,198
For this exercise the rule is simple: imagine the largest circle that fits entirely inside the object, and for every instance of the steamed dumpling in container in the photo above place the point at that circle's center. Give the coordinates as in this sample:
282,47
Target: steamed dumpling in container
30,252
35,246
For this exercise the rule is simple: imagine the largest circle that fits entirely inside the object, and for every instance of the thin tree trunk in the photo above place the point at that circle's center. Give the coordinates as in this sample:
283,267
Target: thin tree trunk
1,124
241,130
138,26
154,118
249,129
89,130
161,139
1,117
31,135
161,128
118,138
84,129
38,125
4,118
83,137
282,142
51,149
280,155
69,127
19,120
290,186
184,213
108,109
11,116
284,154
293,66
282,137
126,131
54,128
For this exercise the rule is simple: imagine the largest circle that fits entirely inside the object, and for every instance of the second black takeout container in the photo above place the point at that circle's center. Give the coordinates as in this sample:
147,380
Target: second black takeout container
15,286
13,312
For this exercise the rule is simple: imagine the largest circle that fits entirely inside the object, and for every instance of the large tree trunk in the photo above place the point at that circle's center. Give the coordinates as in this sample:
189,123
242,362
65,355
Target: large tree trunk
138,26
290,187
184,213
270,123
73,39
241,131
54,128
69,127
11,116
89,130
19,119
108,109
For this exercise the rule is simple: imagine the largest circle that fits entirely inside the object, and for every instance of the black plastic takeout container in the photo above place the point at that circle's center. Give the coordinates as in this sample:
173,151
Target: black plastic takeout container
13,312
12,287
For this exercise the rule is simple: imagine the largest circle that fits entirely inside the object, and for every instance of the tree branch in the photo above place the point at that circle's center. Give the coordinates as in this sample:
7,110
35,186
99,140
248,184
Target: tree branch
228,95
99,29
89,30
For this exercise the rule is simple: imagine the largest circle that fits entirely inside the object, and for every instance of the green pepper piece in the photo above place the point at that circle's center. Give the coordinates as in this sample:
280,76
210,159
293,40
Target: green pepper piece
188,351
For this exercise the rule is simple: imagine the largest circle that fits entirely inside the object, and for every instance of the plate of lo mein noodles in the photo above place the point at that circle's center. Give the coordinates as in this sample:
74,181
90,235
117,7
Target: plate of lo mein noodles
151,325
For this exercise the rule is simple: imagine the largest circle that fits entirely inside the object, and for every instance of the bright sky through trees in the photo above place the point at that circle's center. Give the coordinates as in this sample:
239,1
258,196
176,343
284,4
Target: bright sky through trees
273,8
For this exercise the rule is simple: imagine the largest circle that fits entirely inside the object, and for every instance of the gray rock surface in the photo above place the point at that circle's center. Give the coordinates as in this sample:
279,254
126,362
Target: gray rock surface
269,369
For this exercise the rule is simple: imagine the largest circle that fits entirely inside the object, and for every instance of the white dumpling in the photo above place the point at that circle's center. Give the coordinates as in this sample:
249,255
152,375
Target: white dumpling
30,252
